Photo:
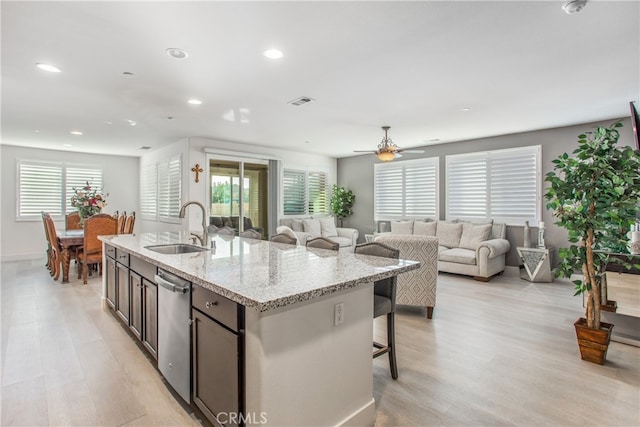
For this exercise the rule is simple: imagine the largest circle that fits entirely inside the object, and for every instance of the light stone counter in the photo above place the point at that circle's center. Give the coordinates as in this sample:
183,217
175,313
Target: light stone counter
263,275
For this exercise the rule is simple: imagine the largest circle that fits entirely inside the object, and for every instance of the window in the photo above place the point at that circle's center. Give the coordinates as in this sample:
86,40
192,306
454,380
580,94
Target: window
503,184
161,190
48,186
407,189
304,193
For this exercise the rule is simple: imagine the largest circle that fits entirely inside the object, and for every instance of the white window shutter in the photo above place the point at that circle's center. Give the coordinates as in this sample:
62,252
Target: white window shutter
39,189
293,192
148,191
318,188
77,177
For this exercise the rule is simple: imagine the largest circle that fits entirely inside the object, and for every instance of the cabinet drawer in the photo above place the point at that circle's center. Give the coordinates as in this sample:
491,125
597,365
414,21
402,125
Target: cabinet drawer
122,257
142,267
110,251
215,306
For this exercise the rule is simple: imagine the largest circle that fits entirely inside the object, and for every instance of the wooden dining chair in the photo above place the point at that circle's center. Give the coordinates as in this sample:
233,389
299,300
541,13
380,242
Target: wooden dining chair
72,221
129,223
120,219
91,254
384,301
55,252
49,263
323,243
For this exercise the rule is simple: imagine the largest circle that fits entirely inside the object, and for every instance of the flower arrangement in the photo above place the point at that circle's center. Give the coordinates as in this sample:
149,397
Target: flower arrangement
88,200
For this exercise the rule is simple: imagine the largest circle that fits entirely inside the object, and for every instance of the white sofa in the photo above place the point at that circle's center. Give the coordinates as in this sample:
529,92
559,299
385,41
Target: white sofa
472,249
309,228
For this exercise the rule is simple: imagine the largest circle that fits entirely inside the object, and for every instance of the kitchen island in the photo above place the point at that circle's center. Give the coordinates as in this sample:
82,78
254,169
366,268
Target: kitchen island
303,325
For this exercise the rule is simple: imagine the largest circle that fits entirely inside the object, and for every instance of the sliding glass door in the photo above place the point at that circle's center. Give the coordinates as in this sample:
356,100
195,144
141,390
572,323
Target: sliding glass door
239,193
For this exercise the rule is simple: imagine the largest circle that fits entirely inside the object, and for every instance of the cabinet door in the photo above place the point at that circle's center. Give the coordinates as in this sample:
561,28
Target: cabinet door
135,292
150,301
111,283
122,295
215,367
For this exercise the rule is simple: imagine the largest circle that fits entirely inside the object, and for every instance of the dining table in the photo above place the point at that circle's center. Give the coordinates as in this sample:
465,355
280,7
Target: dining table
69,240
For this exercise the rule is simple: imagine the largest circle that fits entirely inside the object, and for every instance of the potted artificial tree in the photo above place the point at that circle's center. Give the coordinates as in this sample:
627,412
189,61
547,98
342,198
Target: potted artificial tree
342,200
594,195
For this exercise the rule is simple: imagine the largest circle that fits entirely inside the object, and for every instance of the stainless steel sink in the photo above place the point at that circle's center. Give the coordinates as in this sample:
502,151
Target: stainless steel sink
176,248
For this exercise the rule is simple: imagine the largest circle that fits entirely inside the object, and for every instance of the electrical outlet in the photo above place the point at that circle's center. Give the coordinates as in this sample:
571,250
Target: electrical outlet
338,314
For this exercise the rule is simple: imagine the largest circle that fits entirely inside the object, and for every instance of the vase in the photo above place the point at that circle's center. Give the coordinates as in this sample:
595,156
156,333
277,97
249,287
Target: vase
527,235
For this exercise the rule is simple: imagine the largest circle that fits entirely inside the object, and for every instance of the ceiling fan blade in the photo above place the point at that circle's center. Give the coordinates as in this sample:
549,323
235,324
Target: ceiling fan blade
411,151
365,151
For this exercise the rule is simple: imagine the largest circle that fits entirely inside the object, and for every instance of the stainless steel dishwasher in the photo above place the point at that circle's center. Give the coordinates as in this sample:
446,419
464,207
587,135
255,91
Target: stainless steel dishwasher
174,332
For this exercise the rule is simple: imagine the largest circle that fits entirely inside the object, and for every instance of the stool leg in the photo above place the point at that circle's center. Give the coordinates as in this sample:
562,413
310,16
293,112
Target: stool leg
391,342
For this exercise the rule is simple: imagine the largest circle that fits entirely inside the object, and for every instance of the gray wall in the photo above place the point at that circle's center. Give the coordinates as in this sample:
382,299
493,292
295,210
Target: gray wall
356,173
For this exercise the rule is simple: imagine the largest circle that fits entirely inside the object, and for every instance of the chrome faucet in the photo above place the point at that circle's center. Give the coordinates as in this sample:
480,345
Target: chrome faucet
203,239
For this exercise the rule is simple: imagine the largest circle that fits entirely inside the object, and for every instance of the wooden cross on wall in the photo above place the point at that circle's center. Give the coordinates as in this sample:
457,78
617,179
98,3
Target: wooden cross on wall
197,169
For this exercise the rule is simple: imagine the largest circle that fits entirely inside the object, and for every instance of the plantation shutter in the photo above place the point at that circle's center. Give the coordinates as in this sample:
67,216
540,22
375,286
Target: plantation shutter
407,189
148,191
169,186
39,189
503,185
317,193
293,192
77,177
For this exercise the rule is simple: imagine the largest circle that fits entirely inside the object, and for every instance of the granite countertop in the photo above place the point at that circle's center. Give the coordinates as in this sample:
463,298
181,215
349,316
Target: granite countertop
262,275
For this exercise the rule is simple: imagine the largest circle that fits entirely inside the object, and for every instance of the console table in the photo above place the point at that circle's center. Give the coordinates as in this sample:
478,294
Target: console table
537,264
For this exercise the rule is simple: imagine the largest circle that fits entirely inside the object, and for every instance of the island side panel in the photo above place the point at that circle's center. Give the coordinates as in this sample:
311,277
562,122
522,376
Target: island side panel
303,370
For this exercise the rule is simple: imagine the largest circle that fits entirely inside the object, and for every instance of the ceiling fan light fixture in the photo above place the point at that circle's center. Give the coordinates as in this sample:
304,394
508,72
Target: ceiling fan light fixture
574,6
386,156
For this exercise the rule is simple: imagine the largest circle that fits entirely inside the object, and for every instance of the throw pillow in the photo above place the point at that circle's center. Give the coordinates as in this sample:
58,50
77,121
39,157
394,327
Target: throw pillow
473,235
402,227
312,226
425,228
449,233
328,227
296,225
283,229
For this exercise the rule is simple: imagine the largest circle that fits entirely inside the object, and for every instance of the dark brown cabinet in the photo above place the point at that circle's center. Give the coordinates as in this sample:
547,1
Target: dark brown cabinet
217,355
150,313
135,295
122,293
111,282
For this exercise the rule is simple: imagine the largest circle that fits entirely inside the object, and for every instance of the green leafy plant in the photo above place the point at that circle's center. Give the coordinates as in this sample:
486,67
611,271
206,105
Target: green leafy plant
342,200
594,195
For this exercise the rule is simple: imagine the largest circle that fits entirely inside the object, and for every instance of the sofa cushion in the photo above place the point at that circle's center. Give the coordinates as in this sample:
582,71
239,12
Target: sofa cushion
425,228
473,235
296,225
402,227
328,227
449,234
312,226
459,256
287,231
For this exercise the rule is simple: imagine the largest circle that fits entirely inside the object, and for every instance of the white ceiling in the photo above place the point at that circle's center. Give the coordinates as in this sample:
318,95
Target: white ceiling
518,66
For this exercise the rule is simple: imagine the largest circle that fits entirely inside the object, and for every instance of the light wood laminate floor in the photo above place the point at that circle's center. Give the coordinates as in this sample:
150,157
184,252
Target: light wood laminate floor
497,353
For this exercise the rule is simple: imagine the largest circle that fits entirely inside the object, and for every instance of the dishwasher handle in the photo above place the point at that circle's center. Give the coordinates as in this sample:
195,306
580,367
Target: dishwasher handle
171,286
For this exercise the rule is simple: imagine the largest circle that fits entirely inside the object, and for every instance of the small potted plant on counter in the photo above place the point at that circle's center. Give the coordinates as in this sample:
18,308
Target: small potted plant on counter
594,195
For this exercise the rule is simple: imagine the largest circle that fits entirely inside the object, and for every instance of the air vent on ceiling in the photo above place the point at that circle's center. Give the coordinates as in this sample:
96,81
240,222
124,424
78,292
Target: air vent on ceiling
301,101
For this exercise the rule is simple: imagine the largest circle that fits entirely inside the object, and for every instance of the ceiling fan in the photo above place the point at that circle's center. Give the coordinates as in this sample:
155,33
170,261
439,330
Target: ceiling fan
387,150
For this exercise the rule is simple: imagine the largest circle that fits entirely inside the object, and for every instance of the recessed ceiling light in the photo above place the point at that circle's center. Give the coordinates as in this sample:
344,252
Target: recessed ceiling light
67,145
76,132
127,74
36,131
466,108
194,102
132,122
273,53
174,52
48,67
145,147
108,123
